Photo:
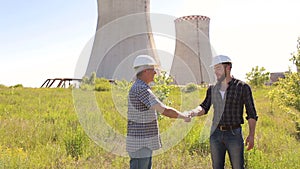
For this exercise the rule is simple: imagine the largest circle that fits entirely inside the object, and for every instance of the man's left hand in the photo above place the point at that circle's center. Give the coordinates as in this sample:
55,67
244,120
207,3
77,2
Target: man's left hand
250,142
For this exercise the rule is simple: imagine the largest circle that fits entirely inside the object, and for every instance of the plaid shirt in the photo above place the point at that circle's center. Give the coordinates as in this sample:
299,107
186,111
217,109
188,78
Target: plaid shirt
142,126
229,111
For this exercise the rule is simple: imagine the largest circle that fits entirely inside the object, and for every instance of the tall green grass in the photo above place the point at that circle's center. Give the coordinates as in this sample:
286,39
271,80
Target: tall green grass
39,128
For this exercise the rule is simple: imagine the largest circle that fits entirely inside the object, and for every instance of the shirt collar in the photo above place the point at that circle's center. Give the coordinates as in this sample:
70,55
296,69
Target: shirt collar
141,82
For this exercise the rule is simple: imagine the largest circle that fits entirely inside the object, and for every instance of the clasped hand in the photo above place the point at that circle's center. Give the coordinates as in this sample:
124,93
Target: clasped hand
192,113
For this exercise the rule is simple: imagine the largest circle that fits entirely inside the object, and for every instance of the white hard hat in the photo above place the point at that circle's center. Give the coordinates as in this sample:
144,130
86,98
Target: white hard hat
220,59
143,60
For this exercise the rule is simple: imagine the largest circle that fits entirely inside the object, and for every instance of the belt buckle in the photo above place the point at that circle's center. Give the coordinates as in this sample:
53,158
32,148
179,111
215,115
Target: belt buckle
222,128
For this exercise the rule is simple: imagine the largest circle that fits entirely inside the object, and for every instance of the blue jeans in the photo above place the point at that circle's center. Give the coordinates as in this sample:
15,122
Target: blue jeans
231,141
141,159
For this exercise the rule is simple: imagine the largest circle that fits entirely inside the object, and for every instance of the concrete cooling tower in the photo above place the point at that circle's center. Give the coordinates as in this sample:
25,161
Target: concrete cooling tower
193,53
123,32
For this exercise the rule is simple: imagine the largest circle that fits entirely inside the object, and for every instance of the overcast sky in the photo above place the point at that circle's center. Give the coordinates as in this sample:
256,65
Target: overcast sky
44,39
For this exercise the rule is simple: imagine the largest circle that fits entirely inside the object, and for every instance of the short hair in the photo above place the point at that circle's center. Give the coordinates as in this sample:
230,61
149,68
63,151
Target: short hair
227,63
139,74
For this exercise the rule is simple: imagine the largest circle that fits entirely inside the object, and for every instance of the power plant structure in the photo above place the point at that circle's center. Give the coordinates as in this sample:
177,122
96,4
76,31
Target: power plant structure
193,53
123,32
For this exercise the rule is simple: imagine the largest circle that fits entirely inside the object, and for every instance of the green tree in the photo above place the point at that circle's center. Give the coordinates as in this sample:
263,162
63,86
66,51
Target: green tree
296,56
258,76
162,86
287,91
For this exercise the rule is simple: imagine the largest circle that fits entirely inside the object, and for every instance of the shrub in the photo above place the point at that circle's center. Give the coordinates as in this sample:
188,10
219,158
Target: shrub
87,84
102,84
94,83
190,87
2,86
74,144
287,92
162,86
17,86
123,85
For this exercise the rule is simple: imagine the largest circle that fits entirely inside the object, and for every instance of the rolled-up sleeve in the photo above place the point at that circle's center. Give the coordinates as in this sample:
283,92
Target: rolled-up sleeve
249,103
207,101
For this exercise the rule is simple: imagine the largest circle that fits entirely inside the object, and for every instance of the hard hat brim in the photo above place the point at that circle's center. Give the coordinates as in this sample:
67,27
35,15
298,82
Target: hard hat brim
144,67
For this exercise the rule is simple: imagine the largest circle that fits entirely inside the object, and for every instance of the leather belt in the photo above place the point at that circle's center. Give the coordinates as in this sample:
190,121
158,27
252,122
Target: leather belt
226,128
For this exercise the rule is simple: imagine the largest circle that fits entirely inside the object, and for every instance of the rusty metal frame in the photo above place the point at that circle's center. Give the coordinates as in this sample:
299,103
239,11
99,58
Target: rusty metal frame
62,82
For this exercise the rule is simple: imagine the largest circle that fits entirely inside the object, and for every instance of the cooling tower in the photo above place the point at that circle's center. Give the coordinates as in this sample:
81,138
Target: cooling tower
193,53
123,32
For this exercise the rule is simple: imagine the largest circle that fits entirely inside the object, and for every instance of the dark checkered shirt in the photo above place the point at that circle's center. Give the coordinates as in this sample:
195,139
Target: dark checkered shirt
229,111
142,126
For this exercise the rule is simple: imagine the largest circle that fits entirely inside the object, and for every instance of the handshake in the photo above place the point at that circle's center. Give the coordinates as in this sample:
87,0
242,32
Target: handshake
187,115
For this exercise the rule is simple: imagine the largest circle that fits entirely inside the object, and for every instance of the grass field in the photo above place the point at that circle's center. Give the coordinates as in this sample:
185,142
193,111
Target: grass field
40,128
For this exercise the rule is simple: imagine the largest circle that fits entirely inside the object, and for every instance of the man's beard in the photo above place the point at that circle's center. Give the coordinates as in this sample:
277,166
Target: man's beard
221,78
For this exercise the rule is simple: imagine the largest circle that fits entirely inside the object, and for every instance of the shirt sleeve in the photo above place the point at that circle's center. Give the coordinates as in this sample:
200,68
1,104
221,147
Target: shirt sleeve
147,97
207,101
249,103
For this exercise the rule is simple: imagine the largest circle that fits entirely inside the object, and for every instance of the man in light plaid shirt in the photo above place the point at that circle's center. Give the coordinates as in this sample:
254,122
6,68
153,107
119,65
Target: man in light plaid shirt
142,128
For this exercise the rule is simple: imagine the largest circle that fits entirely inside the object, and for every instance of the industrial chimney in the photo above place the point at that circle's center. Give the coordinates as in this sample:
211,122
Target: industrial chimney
193,53
123,32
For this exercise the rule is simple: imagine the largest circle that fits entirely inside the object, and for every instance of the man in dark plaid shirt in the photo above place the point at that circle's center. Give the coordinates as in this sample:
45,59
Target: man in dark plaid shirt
142,127
228,97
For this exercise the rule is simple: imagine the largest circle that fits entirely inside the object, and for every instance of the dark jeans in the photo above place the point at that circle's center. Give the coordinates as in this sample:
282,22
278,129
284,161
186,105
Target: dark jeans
141,159
231,141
